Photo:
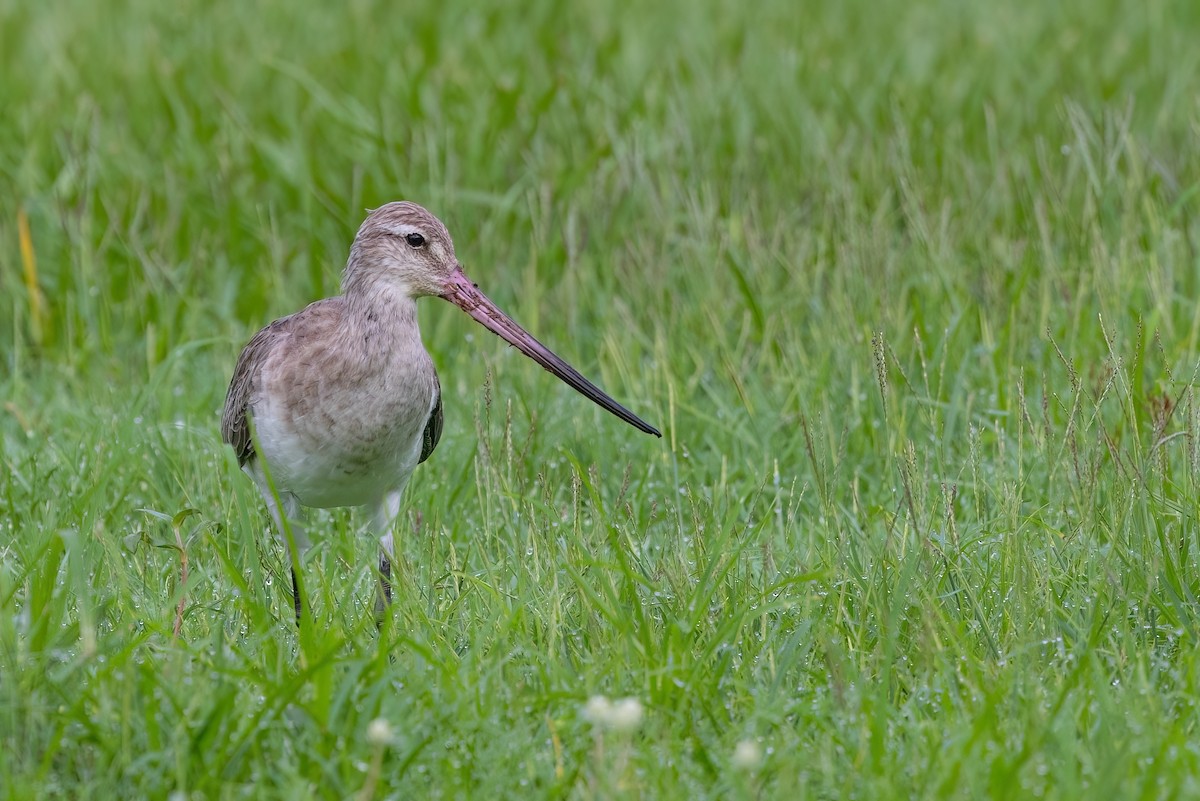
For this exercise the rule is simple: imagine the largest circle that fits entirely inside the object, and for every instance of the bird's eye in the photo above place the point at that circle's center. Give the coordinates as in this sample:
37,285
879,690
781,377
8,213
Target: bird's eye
414,240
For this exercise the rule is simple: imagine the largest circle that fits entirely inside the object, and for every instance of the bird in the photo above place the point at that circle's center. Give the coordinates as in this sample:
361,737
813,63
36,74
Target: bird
336,404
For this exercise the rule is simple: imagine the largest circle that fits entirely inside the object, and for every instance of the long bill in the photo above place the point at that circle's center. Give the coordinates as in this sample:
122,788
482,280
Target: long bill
464,294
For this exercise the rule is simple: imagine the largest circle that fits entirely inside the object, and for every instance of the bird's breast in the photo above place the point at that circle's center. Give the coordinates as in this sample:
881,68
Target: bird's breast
345,432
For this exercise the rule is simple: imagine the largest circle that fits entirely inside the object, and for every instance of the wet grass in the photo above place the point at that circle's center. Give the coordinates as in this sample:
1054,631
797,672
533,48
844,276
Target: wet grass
910,288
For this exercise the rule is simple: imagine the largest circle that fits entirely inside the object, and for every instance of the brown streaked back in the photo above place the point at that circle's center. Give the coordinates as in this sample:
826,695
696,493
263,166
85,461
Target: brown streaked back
235,426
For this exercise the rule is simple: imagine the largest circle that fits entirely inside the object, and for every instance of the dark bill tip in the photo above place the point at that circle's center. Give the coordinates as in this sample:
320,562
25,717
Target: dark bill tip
464,294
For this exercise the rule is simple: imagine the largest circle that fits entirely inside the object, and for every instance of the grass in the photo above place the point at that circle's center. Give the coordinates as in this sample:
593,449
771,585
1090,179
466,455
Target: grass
910,287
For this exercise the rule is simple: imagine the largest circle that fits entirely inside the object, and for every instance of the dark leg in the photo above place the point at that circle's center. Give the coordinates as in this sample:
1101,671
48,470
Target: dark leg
385,578
384,599
296,597
383,520
285,509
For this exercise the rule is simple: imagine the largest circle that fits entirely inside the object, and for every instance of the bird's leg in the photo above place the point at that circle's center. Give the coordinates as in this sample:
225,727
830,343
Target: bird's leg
382,521
299,539
291,514
296,598
385,581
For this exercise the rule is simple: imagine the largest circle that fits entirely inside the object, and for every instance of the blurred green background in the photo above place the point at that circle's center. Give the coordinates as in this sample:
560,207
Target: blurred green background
910,287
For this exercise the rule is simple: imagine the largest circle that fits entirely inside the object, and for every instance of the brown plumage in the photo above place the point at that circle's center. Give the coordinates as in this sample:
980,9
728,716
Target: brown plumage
342,396
235,424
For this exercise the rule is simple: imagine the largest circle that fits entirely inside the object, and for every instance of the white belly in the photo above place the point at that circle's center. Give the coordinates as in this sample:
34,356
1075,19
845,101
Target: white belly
342,448
331,476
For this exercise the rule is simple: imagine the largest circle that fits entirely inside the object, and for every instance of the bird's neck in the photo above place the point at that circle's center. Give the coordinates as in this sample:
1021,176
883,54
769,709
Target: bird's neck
380,319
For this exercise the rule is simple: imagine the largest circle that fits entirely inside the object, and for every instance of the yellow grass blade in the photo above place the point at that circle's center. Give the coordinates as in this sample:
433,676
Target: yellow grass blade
29,260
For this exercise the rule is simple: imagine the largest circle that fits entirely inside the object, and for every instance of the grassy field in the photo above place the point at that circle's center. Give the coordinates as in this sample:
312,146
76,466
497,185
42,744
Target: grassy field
911,288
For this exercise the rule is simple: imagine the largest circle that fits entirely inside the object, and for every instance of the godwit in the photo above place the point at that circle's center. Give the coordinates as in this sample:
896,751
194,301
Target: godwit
344,399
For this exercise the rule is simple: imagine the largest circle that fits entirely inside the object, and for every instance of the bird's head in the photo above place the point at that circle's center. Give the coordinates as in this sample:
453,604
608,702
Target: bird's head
402,246
403,249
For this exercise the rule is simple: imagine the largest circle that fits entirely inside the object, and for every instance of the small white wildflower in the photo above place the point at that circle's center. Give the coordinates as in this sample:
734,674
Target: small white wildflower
747,755
625,715
598,710
379,732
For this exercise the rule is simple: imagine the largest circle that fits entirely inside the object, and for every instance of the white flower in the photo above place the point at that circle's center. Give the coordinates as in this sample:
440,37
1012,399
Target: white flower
625,715
598,709
747,755
379,732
